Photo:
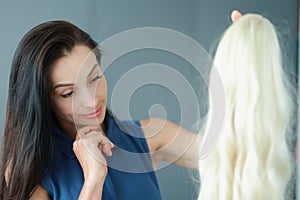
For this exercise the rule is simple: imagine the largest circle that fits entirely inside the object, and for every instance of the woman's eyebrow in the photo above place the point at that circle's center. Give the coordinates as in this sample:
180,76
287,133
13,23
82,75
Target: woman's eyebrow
72,84
93,68
62,85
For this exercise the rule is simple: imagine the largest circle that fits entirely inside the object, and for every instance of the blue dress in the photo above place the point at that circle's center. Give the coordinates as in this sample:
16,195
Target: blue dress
130,173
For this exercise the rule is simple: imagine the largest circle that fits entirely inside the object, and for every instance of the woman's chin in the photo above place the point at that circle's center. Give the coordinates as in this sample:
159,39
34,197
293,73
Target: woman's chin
89,122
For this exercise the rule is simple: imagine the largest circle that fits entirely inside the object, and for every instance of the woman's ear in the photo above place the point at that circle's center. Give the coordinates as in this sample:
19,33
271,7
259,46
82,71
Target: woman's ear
235,15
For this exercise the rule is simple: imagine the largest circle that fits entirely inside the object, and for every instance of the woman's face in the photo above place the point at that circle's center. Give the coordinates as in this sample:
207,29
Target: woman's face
78,89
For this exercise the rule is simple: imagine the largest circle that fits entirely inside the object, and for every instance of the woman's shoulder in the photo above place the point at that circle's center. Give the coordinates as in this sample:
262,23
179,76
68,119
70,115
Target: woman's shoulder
40,194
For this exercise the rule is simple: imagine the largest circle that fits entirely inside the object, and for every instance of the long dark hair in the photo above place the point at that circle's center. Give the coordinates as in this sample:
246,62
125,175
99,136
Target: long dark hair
27,144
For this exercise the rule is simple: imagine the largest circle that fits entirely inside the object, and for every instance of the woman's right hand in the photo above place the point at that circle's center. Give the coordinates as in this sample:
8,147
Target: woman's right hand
89,146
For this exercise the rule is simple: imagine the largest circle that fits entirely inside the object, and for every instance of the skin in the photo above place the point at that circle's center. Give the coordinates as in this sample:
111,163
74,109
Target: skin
235,15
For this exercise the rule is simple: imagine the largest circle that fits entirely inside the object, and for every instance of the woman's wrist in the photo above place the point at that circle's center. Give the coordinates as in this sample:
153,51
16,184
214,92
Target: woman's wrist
92,189
92,182
94,178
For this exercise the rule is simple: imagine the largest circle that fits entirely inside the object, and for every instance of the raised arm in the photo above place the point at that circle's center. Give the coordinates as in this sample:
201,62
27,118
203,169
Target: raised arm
170,142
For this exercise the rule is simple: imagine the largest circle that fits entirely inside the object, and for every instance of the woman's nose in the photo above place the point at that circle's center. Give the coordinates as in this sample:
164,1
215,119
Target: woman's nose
87,98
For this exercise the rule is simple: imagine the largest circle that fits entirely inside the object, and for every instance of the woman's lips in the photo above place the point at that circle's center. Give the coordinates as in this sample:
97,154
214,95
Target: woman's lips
95,114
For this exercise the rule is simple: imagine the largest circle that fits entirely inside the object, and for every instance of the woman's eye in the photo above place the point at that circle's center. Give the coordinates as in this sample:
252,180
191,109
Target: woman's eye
96,78
67,94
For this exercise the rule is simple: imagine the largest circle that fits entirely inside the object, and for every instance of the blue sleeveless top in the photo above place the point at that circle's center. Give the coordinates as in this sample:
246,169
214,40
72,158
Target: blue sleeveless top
130,173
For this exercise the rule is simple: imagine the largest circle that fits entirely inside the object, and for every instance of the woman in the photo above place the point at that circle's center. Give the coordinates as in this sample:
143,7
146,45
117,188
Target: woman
253,159
57,128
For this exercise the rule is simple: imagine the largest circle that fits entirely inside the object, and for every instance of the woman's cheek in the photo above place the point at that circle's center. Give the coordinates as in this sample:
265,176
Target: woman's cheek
63,108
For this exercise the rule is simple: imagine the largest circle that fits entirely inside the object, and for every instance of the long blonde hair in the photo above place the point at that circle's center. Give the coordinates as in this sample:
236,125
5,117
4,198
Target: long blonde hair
251,160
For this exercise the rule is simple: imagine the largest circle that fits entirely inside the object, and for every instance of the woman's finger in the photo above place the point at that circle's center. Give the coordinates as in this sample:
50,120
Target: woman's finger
95,137
235,15
86,130
105,146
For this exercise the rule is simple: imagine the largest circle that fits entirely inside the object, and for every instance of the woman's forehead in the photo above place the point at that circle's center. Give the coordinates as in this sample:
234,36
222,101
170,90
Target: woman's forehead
74,65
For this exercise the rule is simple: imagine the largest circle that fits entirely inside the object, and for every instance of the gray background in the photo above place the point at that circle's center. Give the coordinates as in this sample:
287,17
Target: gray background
203,20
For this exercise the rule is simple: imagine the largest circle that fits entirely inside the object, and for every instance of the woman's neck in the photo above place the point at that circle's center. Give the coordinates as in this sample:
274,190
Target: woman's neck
69,129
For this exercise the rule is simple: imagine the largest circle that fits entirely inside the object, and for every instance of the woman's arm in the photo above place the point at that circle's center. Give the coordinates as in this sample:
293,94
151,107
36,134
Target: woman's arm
88,147
170,142
40,194
89,191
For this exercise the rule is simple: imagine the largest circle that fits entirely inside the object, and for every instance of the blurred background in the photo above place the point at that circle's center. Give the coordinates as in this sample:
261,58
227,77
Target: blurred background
202,20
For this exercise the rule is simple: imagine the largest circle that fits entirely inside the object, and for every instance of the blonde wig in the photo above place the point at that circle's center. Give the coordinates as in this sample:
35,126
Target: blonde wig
252,158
